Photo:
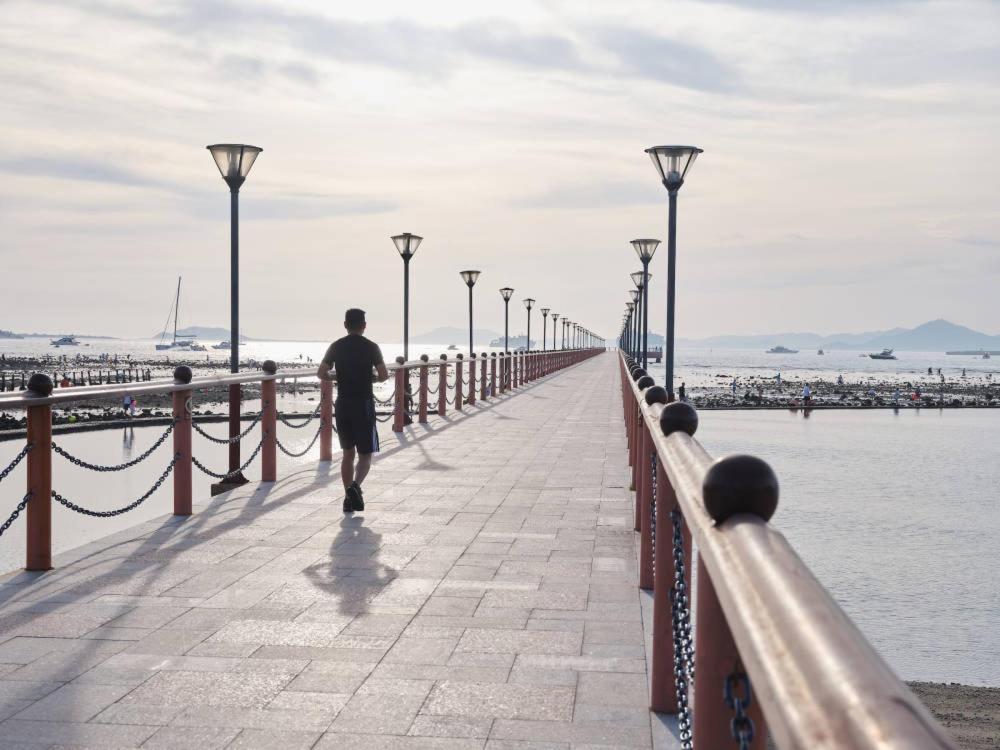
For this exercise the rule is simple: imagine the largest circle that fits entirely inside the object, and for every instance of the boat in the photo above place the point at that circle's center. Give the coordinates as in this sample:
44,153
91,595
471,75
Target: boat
781,350
986,355
196,347
452,347
65,341
179,341
222,345
884,354
821,352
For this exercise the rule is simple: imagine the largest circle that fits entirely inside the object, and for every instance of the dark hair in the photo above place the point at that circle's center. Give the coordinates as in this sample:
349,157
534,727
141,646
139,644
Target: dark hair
354,318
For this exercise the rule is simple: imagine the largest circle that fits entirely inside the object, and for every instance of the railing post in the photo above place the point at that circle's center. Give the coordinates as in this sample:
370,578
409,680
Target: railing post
38,544
645,492
269,425
422,414
399,397
182,444
493,374
472,378
326,420
663,689
482,377
458,384
443,386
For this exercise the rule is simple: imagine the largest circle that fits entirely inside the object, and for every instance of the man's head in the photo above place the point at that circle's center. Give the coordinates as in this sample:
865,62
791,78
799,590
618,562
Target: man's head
354,320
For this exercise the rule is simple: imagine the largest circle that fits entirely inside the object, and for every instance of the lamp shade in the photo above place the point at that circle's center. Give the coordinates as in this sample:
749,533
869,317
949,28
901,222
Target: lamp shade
234,161
506,293
469,277
637,279
407,244
555,317
529,302
545,311
634,293
645,248
673,162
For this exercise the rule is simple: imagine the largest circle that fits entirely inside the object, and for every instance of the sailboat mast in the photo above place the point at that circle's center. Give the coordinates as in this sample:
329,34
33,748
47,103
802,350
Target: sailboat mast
177,305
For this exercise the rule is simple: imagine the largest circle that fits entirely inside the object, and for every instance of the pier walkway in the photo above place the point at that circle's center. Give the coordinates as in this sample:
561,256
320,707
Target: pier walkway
486,598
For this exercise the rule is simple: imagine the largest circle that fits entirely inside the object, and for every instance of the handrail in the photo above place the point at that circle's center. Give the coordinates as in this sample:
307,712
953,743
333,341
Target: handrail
819,682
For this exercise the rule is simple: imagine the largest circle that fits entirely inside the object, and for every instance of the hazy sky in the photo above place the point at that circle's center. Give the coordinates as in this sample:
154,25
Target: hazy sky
849,179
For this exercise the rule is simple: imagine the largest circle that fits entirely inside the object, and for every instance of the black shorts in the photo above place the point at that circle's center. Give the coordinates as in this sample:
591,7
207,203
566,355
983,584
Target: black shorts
356,426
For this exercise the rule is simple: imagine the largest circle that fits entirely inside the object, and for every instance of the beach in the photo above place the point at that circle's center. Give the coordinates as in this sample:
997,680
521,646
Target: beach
970,714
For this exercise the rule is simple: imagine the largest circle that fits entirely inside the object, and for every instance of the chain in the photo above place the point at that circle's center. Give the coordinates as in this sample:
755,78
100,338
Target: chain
305,451
234,472
17,511
683,644
432,391
386,418
652,508
17,459
380,402
227,441
116,467
741,725
284,419
109,513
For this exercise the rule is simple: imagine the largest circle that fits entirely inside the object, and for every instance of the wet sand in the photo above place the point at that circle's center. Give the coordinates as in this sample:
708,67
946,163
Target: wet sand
970,714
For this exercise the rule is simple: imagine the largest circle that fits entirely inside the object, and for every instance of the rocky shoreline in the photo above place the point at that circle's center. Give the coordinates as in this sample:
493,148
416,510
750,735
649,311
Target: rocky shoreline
970,714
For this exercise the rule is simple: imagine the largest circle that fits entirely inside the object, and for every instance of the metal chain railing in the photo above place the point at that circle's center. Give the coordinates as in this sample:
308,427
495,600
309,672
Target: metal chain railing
683,644
17,459
17,511
234,472
740,726
118,511
312,442
652,511
310,418
115,467
225,441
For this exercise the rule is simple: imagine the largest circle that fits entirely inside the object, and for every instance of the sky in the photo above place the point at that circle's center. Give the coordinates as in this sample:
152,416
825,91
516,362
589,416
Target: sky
848,180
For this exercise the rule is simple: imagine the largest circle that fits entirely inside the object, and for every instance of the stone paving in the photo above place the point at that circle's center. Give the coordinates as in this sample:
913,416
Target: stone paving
486,598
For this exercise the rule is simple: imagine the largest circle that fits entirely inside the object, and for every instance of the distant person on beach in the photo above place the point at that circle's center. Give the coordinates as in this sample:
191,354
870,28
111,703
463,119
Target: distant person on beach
895,397
778,379
354,362
930,371
682,392
734,387
126,405
840,380
806,394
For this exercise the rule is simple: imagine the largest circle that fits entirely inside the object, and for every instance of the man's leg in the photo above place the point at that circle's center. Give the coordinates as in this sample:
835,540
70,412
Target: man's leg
364,464
347,467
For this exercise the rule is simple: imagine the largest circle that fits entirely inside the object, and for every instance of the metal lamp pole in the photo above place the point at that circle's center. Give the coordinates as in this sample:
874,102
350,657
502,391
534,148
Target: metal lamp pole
545,326
555,320
645,249
672,164
234,161
528,303
469,277
506,293
407,245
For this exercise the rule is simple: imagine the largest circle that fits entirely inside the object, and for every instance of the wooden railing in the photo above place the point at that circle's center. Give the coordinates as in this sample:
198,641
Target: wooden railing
772,651
476,378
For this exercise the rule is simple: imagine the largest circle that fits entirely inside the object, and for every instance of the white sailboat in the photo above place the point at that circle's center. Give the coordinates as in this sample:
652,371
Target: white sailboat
178,342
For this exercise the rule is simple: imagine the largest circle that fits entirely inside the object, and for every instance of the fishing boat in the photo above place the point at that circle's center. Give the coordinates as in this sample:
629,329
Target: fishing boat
781,350
222,345
821,352
196,347
884,354
452,347
65,341
986,355
181,341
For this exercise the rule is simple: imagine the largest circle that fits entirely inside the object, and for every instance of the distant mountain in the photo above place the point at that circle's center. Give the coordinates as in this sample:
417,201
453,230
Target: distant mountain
204,332
9,335
936,335
452,335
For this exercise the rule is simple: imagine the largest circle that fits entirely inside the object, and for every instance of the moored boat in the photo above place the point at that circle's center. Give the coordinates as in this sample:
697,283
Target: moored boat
65,341
884,354
781,350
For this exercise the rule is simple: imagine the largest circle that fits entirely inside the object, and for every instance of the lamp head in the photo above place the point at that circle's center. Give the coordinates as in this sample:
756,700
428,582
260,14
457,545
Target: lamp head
545,311
673,163
407,244
529,302
234,161
506,293
637,279
469,277
645,249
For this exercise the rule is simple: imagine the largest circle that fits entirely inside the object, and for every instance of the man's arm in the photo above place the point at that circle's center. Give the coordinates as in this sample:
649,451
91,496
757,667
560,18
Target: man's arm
325,372
382,374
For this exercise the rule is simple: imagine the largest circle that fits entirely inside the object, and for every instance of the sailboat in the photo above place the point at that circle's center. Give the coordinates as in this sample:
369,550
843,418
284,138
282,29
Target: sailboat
178,342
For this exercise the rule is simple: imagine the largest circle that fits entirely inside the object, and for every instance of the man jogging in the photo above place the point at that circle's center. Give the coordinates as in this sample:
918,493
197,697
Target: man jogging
356,363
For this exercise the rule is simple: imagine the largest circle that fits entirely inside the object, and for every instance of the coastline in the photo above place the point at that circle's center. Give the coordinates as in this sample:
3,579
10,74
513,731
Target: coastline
971,714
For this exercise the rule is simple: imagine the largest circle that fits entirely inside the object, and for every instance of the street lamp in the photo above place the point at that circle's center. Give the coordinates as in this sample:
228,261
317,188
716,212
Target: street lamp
645,250
638,278
545,325
528,303
506,293
672,164
555,319
629,325
469,277
234,161
407,245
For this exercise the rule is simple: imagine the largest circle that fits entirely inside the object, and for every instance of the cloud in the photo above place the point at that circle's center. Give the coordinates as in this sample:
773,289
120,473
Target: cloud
595,195
76,168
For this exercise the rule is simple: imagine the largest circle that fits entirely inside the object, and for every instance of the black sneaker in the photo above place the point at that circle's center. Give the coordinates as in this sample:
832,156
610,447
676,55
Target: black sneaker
354,491
349,502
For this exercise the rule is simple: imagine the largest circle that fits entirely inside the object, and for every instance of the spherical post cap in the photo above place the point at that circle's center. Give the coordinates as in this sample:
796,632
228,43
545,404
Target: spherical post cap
645,382
740,484
269,366
40,384
443,357
656,394
400,360
183,374
637,373
678,416
459,356
424,358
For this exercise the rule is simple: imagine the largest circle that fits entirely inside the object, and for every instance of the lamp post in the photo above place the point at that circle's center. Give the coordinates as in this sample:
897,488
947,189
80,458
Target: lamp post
672,164
555,320
506,293
234,161
645,250
528,303
545,325
407,245
637,279
469,277
629,310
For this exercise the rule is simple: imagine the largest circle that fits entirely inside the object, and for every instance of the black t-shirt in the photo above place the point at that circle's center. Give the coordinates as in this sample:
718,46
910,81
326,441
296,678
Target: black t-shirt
353,358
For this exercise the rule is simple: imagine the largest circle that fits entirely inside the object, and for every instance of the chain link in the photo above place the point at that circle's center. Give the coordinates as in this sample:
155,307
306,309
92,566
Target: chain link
119,511
683,644
652,510
740,726
284,419
312,442
227,441
17,511
17,459
116,467
234,472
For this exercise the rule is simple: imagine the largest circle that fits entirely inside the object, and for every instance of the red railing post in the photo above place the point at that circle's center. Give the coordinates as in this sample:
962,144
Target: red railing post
443,386
38,547
493,374
182,449
715,658
482,377
472,378
326,420
399,398
663,689
645,454
269,426
458,384
422,414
